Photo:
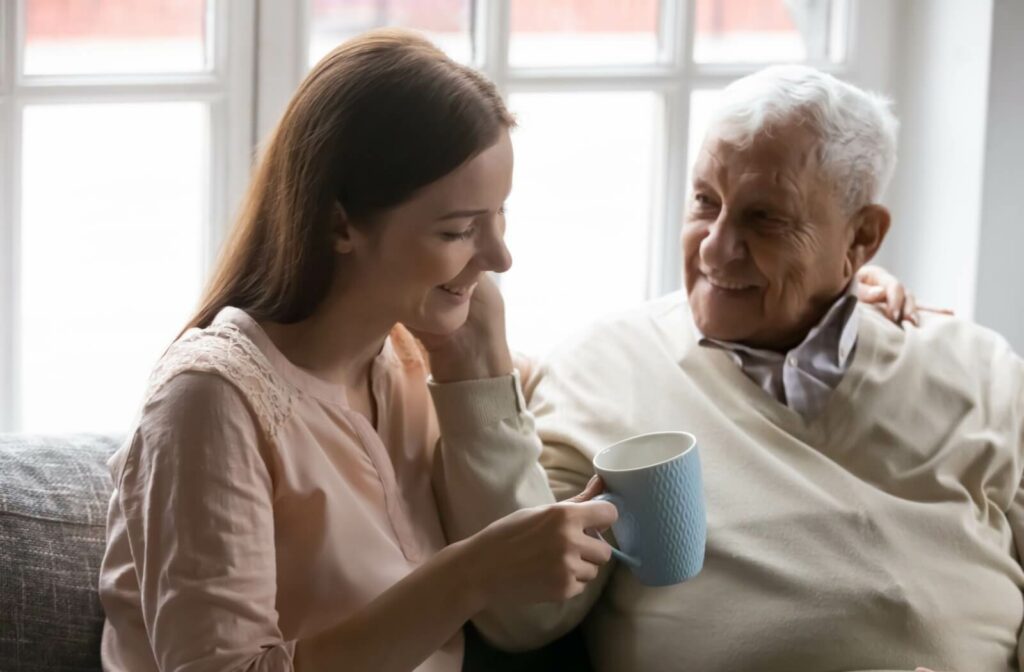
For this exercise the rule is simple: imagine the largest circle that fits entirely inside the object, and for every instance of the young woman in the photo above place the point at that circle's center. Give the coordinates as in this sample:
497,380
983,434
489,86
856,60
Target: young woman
274,508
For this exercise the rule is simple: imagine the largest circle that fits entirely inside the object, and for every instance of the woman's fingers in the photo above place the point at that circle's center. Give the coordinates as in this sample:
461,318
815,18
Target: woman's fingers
894,297
586,572
872,294
595,515
595,550
594,487
932,309
910,309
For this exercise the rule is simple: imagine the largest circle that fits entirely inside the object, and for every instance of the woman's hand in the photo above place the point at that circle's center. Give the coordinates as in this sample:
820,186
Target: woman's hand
877,286
542,554
477,349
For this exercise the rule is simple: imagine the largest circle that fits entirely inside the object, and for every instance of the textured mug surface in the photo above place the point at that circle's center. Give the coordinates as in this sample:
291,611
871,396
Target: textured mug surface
655,482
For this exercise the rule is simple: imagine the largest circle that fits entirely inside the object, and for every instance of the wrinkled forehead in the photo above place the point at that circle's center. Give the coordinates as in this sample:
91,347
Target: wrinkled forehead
788,152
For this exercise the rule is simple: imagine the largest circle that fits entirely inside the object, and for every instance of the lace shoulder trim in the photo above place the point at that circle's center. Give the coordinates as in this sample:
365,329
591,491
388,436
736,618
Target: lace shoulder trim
223,349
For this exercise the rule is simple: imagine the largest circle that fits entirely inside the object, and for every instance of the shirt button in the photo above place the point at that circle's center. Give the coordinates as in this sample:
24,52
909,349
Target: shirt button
792,362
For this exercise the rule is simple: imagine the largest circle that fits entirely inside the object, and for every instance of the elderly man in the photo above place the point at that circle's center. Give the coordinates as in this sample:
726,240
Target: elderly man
863,480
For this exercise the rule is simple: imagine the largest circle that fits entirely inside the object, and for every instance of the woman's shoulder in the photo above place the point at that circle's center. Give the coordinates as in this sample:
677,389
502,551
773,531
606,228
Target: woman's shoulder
188,414
235,370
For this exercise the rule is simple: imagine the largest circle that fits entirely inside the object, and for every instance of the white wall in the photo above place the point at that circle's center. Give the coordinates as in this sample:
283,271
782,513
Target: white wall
939,83
1000,283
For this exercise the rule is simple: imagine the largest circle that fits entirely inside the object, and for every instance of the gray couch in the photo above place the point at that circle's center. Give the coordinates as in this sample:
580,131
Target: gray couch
53,506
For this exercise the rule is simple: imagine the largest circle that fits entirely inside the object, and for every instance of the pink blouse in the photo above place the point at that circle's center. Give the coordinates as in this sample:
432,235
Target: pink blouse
253,507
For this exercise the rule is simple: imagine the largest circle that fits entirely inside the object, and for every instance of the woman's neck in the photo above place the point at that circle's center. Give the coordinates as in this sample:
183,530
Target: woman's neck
338,342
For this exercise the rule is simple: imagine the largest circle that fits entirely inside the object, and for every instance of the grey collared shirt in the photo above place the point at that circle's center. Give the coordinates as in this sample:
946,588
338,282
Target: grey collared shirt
804,377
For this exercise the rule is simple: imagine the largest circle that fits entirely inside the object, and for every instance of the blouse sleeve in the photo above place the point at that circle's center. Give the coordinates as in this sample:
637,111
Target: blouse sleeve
197,496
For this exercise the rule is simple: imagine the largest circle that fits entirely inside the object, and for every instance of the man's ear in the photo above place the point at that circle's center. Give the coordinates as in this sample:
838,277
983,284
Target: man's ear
341,231
869,224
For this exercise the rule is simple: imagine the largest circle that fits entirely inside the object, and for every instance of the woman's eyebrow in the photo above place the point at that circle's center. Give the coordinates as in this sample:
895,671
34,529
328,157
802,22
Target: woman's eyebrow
463,214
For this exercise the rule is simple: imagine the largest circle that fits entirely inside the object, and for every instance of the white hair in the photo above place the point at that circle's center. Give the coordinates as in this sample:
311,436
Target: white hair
856,128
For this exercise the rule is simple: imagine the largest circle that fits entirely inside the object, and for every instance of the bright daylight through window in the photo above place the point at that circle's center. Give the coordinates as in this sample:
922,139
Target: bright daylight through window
127,128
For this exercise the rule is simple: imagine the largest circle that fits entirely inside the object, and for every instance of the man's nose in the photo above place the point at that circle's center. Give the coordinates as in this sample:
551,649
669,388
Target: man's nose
723,244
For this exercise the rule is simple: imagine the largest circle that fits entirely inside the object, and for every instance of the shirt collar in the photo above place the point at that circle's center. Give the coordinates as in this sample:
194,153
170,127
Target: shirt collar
842,318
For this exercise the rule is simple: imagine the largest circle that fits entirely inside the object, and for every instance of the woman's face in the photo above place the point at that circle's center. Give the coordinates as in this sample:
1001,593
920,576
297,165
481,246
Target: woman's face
420,261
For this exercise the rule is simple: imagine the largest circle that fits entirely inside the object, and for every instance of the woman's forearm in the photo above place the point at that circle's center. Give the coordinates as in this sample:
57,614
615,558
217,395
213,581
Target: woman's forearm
404,625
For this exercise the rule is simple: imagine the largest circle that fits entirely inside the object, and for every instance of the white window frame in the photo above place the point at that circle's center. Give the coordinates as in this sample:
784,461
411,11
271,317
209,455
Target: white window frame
228,89
259,53
286,26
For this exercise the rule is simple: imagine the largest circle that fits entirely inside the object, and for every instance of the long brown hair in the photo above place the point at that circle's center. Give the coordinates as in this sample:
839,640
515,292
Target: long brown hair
377,119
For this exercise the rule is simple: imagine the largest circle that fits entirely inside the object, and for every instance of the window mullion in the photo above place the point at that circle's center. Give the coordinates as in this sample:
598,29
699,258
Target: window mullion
670,38
7,48
10,264
233,118
9,158
493,26
666,257
283,30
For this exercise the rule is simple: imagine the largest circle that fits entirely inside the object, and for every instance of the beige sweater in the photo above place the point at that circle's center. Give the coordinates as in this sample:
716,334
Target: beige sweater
879,536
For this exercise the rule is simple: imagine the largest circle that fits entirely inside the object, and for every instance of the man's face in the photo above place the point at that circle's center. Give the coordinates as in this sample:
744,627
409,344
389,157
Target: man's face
765,241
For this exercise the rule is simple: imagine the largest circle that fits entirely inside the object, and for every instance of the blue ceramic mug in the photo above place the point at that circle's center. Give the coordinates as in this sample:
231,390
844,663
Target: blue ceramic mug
655,482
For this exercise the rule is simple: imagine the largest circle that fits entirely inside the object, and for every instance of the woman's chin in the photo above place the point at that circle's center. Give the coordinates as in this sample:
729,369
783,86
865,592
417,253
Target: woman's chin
439,324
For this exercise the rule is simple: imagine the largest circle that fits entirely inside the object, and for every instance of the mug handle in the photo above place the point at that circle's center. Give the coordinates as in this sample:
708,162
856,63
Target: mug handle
622,557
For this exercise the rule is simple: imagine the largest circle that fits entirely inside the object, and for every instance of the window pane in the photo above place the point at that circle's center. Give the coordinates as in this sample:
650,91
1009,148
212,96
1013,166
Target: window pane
580,213
5,11
446,23
6,273
702,104
111,249
97,37
763,31
583,32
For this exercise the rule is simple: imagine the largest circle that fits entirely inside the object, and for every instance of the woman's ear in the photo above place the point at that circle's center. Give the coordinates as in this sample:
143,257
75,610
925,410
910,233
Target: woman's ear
341,230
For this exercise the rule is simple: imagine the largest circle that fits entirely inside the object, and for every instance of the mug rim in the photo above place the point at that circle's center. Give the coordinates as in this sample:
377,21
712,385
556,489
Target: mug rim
684,453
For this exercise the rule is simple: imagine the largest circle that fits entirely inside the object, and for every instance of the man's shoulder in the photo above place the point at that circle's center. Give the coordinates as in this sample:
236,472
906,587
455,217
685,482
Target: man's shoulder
654,319
944,340
622,355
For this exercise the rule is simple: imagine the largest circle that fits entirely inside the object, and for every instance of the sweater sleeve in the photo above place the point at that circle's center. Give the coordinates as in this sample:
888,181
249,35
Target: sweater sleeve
1016,517
197,497
489,465
1016,512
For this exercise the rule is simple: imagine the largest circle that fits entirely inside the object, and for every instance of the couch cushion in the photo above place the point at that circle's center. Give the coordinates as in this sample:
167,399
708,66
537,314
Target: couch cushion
53,504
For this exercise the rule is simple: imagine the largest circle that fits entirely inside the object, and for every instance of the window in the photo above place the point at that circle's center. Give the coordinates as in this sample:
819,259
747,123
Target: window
612,98
117,167
127,129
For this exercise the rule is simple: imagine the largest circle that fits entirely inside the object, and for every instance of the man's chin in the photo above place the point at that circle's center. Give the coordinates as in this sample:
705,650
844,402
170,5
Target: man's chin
723,327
